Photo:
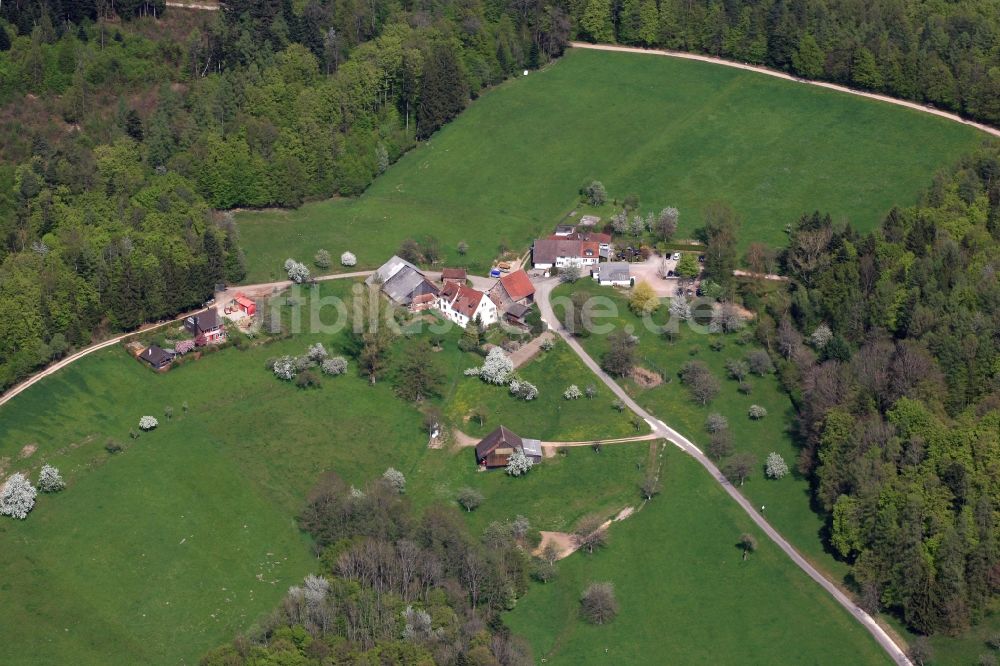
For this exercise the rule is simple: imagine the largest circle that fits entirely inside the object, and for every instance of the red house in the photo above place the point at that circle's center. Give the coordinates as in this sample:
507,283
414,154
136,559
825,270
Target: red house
205,327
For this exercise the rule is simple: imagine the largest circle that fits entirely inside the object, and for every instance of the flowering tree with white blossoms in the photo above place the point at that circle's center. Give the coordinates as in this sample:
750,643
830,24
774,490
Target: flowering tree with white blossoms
573,392
317,352
17,497
417,624
284,368
297,272
680,308
148,423
523,390
334,366
395,479
821,336
50,480
775,466
756,412
348,259
497,368
518,463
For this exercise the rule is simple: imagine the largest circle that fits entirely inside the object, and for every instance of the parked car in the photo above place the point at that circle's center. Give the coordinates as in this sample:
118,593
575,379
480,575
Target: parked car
701,258
670,273
676,256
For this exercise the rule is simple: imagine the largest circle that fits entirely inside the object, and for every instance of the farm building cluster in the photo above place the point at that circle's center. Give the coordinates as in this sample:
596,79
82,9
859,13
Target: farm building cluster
509,298
581,247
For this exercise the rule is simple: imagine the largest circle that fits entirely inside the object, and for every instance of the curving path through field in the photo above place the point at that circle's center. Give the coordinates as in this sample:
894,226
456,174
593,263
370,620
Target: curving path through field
543,290
954,117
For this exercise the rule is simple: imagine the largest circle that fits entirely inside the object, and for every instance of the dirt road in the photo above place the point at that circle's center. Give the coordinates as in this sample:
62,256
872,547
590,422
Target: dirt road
543,290
788,77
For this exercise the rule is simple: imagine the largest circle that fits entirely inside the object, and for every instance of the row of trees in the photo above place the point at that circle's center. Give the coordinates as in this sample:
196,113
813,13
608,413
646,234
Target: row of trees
944,54
395,587
888,344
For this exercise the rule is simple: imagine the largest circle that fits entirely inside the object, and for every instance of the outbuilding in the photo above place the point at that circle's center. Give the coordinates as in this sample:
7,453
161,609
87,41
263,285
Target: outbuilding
614,274
245,305
495,449
157,358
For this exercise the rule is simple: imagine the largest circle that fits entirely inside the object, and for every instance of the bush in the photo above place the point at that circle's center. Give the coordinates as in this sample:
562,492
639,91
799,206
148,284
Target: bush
49,480
148,423
598,604
519,464
573,392
469,498
307,379
756,412
297,272
322,259
524,390
595,193
317,352
348,259
284,368
17,497
334,366
113,447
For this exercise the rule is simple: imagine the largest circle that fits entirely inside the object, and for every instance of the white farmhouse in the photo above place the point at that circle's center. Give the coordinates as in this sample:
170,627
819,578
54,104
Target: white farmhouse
560,253
462,304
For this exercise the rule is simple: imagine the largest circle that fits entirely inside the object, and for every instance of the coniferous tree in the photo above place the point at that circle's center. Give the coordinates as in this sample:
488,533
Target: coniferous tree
444,91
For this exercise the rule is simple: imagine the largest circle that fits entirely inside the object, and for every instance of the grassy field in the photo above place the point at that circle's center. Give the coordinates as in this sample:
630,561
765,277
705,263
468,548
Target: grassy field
675,132
550,417
686,596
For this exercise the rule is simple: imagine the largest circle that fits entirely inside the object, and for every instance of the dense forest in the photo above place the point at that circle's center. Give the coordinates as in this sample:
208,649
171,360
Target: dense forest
121,138
395,587
890,346
942,53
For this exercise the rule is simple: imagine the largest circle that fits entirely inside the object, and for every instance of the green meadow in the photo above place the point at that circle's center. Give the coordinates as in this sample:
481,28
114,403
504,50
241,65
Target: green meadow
686,595
677,133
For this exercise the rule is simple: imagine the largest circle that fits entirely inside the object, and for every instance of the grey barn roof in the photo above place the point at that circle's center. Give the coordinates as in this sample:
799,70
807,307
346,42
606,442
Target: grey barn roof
531,447
617,271
387,270
405,284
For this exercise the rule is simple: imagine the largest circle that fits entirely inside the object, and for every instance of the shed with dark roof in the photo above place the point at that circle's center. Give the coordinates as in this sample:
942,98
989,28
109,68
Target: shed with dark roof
495,449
